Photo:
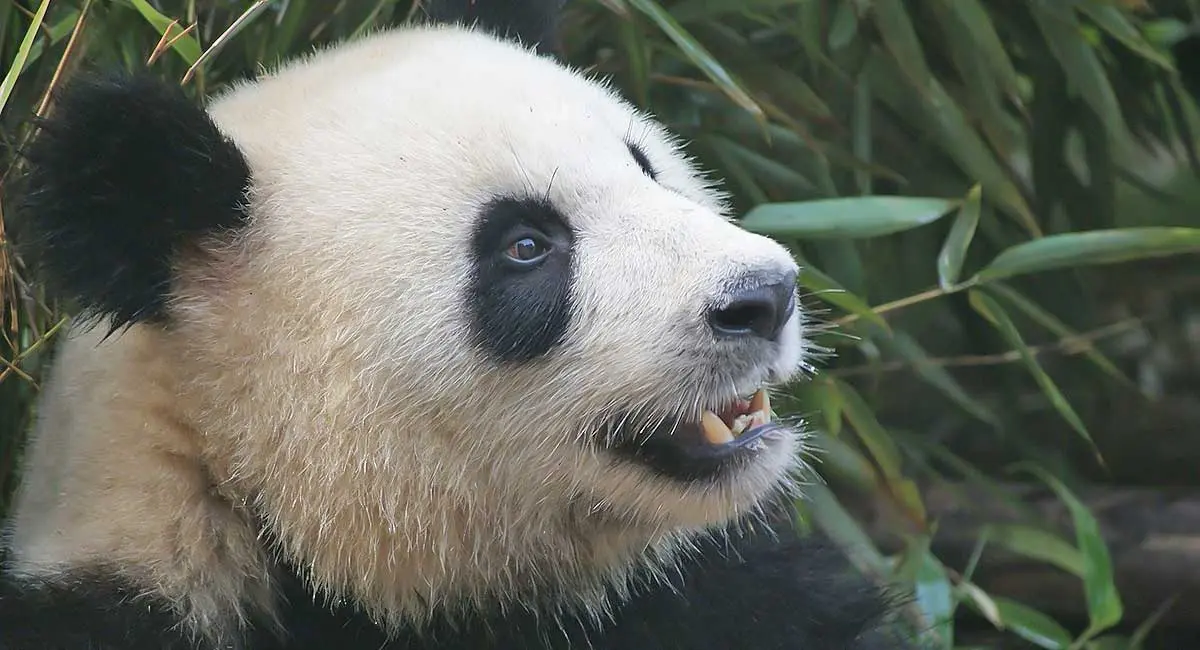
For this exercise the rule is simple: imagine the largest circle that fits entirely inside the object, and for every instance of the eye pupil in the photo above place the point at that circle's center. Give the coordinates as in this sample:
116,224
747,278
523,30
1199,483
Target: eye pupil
526,249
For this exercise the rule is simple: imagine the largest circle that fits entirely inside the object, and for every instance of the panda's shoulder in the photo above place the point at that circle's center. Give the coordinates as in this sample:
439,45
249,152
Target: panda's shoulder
781,594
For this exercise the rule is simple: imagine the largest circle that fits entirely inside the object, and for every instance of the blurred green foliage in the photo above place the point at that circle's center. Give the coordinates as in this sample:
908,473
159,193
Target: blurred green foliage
958,177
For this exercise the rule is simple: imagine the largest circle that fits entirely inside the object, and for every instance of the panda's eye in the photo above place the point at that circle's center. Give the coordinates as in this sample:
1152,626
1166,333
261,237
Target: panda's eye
527,250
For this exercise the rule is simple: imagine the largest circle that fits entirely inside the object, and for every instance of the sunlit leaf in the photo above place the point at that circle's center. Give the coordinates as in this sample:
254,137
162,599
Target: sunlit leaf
10,79
849,218
1071,250
187,46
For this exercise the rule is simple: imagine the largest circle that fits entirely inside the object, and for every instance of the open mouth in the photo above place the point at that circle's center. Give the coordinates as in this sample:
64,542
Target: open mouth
705,446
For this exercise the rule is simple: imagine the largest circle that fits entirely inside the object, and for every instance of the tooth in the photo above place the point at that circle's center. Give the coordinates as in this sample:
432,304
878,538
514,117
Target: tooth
715,431
740,424
760,402
759,418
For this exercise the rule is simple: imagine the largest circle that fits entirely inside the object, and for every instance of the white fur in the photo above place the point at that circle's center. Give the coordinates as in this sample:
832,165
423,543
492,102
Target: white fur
320,368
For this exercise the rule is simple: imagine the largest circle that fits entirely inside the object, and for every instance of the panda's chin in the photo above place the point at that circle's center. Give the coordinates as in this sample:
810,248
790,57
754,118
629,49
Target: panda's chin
712,446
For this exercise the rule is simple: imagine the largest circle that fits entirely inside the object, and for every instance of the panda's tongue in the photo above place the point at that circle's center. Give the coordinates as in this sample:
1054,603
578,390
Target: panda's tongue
742,416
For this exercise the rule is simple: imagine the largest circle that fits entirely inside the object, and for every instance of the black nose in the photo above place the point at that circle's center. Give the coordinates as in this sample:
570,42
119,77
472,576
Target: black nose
761,307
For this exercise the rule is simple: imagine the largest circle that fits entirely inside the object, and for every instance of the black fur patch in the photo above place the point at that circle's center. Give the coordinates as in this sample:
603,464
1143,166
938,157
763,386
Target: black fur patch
92,611
520,312
800,594
533,22
124,173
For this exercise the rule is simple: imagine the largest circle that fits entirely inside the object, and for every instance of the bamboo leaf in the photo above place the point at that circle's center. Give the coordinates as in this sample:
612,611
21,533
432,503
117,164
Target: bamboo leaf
1104,602
980,30
937,112
846,218
187,46
954,250
1038,544
870,432
687,11
935,597
1110,19
900,38
1111,246
14,71
697,54
1060,329
1085,72
1032,625
829,290
988,307
832,518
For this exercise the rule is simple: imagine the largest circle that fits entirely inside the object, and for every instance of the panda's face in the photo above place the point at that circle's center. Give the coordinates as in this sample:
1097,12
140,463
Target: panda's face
480,295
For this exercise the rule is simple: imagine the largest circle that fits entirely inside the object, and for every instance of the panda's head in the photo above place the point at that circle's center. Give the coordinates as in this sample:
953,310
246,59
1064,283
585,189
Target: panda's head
453,319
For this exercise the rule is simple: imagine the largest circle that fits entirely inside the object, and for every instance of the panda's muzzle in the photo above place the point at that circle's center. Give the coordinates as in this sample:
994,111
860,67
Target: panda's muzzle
705,446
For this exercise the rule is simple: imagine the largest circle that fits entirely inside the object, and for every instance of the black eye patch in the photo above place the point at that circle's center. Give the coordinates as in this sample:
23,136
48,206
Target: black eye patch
642,160
519,296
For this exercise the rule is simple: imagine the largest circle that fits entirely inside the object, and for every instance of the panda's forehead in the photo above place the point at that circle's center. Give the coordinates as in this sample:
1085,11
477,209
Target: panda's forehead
452,86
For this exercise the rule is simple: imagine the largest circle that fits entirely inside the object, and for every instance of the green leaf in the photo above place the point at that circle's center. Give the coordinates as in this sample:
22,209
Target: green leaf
954,250
983,602
14,70
1060,329
934,595
1038,544
832,518
1110,19
695,10
870,432
937,112
900,37
846,218
981,31
1104,603
1064,36
828,402
990,310
882,448
1032,625
187,47
828,290
763,167
1095,247
698,55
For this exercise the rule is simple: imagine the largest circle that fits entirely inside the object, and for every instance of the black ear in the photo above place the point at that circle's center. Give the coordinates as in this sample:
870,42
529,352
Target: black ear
533,22
125,172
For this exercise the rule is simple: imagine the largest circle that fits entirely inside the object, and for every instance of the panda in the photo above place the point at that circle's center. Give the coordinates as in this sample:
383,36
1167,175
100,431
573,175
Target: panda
423,340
